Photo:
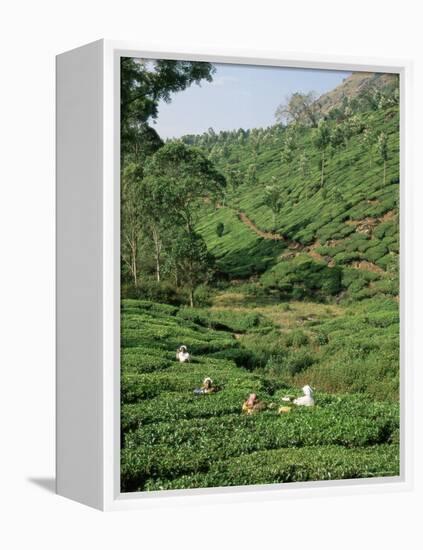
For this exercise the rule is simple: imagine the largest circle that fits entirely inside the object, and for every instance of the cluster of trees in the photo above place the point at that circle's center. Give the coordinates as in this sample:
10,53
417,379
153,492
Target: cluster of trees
331,131
328,137
162,185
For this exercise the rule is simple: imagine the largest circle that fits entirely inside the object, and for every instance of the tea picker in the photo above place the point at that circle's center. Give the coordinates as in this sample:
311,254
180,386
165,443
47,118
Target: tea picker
182,355
207,387
307,400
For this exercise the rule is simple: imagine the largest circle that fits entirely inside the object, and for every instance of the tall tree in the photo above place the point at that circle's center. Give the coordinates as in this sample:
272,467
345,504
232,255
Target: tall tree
302,108
235,177
131,218
255,138
322,142
338,139
251,174
157,216
143,142
382,148
179,178
273,199
191,260
289,146
303,165
144,83
368,140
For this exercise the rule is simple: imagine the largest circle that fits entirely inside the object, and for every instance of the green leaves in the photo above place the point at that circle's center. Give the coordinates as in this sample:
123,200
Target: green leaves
273,199
144,83
303,277
322,135
172,438
382,146
230,438
187,176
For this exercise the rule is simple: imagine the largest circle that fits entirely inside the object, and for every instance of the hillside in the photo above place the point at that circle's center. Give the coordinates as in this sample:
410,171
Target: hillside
272,255
173,439
353,86
348,225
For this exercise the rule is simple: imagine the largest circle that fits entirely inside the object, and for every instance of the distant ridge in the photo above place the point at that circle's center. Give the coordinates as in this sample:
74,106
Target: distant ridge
353,85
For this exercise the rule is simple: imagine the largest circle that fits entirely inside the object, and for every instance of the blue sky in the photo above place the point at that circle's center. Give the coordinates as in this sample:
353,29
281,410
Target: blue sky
240,96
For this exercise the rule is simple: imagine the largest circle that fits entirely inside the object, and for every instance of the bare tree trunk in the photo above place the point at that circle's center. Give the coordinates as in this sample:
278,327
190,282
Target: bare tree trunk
133,246
191,297
157,251
134,268
323,168
384,173
158,269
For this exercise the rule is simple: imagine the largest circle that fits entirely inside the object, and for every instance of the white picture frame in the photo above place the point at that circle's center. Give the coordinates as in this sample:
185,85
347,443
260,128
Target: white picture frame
88,278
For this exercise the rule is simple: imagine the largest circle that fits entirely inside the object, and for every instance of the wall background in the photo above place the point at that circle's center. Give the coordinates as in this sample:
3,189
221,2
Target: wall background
31,34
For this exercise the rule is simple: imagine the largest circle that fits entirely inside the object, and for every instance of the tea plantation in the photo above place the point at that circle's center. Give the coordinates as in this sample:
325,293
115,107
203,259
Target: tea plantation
304,248
172,438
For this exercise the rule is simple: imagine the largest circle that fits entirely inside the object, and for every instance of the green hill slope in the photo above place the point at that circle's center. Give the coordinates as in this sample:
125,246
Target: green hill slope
349,223
172,438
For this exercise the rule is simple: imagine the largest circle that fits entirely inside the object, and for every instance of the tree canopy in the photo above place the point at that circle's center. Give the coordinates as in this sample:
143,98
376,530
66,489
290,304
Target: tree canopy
177,177
144,83
302,108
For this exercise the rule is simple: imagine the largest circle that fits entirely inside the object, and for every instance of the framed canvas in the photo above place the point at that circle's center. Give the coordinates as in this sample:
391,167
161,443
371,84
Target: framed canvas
231,252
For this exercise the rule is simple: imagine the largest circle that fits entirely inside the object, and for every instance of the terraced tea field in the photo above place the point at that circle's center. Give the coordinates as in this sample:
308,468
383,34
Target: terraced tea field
284,239
174,439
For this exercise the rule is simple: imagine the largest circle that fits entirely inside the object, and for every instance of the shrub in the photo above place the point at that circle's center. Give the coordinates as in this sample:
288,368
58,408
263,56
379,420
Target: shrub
160,292
321,339
297,338
303,277
165,450
290,465
220,228
202,296
376,252
242,358
298,362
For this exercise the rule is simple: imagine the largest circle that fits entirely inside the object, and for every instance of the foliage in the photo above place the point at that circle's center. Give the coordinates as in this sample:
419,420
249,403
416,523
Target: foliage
273,199
301,108
177,178
303,277
192,262
293,268
220,229
172,438
289,465
143,84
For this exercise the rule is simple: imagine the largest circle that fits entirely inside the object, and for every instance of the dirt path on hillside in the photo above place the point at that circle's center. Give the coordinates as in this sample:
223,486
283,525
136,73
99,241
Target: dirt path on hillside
265,234
296,247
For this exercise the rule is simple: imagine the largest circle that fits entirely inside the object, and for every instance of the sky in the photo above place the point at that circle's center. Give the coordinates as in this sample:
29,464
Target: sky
240,96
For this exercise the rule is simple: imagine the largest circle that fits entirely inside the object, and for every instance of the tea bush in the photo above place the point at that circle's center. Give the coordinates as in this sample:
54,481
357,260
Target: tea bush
173,438
168,450
303,277
289,465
